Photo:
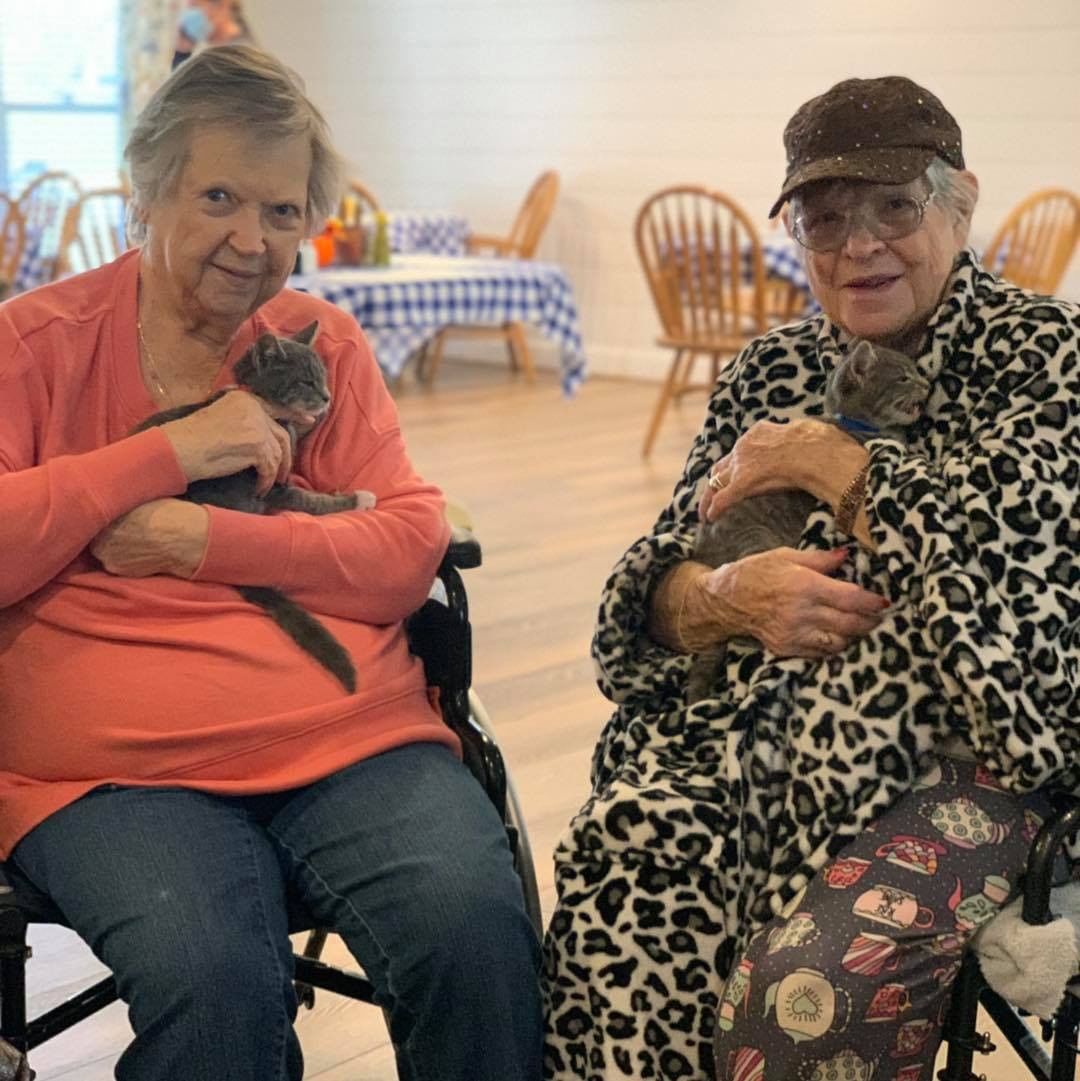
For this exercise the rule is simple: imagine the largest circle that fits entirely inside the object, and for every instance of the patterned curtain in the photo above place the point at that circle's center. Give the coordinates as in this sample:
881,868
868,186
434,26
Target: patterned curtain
148,28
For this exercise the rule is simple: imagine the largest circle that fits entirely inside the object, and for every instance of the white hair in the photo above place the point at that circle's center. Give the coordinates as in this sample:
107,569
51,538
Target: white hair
955,190
230,86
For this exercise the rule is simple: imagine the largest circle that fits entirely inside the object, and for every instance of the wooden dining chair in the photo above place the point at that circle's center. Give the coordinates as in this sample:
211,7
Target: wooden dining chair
520,243
94,230
1037,240
365,197
703,264
532,218
44,204
12,243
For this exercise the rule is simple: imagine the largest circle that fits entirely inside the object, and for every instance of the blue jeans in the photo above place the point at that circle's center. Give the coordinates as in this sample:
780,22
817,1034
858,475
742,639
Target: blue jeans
183,896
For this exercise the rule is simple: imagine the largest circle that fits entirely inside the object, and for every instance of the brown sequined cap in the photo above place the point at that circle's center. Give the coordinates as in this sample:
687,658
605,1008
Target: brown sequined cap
886,130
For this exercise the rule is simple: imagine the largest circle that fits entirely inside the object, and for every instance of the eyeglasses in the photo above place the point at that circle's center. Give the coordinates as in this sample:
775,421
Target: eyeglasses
820,225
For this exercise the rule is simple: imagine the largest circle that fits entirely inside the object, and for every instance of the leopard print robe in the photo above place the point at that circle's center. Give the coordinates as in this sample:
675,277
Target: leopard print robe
706,821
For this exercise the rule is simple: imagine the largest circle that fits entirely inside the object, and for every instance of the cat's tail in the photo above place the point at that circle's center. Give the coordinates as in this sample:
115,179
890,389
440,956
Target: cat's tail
705,671
305,630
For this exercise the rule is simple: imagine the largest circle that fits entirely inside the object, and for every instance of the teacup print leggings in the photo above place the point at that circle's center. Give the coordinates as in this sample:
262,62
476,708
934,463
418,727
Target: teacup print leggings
856,984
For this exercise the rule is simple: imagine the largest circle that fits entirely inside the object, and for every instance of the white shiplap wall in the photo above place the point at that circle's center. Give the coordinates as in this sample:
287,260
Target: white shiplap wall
460,103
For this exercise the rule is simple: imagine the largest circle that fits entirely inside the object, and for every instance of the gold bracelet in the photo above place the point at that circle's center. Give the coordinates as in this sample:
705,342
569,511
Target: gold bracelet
847,510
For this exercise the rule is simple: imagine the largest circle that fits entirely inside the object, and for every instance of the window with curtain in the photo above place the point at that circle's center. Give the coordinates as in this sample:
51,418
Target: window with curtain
61,91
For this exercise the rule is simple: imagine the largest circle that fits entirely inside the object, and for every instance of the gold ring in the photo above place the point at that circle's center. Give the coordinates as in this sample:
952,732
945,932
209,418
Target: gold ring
715,483
824,639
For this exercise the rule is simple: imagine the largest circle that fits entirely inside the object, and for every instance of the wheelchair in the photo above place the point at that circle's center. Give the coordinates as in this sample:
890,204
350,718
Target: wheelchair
960,1033
440,634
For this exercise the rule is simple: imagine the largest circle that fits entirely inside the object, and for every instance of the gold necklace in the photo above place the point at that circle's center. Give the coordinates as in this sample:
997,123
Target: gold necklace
159,386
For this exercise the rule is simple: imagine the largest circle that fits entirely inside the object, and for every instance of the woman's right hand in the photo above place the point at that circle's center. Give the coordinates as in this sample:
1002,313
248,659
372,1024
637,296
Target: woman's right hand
788,600
233,434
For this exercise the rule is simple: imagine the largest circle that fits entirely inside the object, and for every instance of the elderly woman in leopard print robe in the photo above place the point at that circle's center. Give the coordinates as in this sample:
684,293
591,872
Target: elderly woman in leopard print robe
950,626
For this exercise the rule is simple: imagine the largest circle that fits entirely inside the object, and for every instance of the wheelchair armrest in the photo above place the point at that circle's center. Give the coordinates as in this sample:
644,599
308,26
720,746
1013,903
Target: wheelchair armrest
441,636
462,552
1039,878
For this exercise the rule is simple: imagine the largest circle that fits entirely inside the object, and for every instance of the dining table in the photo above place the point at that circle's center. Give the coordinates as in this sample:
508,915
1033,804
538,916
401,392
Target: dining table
401,307
438,232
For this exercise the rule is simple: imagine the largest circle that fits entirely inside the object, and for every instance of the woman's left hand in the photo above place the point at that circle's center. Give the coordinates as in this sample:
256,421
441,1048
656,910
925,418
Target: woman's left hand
164,536
805,454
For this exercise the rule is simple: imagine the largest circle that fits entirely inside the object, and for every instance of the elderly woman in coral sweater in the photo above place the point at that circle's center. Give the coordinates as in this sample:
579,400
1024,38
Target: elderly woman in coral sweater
174,765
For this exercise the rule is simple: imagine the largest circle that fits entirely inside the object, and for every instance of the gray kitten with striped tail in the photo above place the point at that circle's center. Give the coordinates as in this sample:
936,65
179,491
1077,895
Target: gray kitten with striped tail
872,391
289,374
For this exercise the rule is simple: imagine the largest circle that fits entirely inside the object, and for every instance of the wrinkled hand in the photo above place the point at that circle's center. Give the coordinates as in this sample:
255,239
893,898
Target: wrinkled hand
786,599
805,454
164,536
236,432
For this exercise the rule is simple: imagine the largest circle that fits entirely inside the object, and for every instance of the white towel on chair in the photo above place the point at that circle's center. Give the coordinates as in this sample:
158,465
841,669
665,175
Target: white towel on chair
1030,965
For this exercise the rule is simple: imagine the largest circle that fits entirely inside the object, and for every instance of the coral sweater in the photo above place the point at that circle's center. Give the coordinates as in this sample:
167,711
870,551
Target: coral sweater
163,681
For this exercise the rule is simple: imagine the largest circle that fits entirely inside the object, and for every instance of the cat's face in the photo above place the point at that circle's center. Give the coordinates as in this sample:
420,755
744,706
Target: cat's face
287,372
876,385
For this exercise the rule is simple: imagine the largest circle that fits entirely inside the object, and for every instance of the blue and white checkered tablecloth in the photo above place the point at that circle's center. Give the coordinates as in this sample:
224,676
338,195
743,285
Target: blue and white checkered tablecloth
403,306
781,257
432,231
35,268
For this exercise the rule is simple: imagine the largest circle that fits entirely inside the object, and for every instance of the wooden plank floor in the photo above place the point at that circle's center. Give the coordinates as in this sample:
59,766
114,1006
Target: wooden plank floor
557,490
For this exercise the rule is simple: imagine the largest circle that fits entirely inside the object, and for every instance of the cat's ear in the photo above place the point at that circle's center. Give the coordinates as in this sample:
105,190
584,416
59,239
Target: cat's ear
861,360
266,345
251,363
267,348
307,335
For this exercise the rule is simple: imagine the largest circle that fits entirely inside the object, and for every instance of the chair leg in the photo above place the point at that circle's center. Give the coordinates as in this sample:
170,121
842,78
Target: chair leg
305,993
511,350
960,1031
519,350
685,376
1017,1034
434,353
666,393
13,955
1066,1028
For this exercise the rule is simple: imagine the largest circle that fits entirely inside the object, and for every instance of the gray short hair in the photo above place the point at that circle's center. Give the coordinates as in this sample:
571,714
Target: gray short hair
230,86
956,192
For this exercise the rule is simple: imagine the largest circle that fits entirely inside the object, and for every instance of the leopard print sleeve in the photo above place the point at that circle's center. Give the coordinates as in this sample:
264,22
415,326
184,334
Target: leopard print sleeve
983,542
630,667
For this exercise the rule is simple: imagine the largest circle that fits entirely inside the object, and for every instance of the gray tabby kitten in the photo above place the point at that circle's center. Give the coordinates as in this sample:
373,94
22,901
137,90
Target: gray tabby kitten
872,391
284,372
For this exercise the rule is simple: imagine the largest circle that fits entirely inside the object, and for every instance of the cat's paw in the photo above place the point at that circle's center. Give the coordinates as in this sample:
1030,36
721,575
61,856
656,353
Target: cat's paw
365,500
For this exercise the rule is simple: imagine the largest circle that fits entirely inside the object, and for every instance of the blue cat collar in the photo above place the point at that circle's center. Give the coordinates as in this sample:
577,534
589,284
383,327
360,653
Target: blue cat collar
856,427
